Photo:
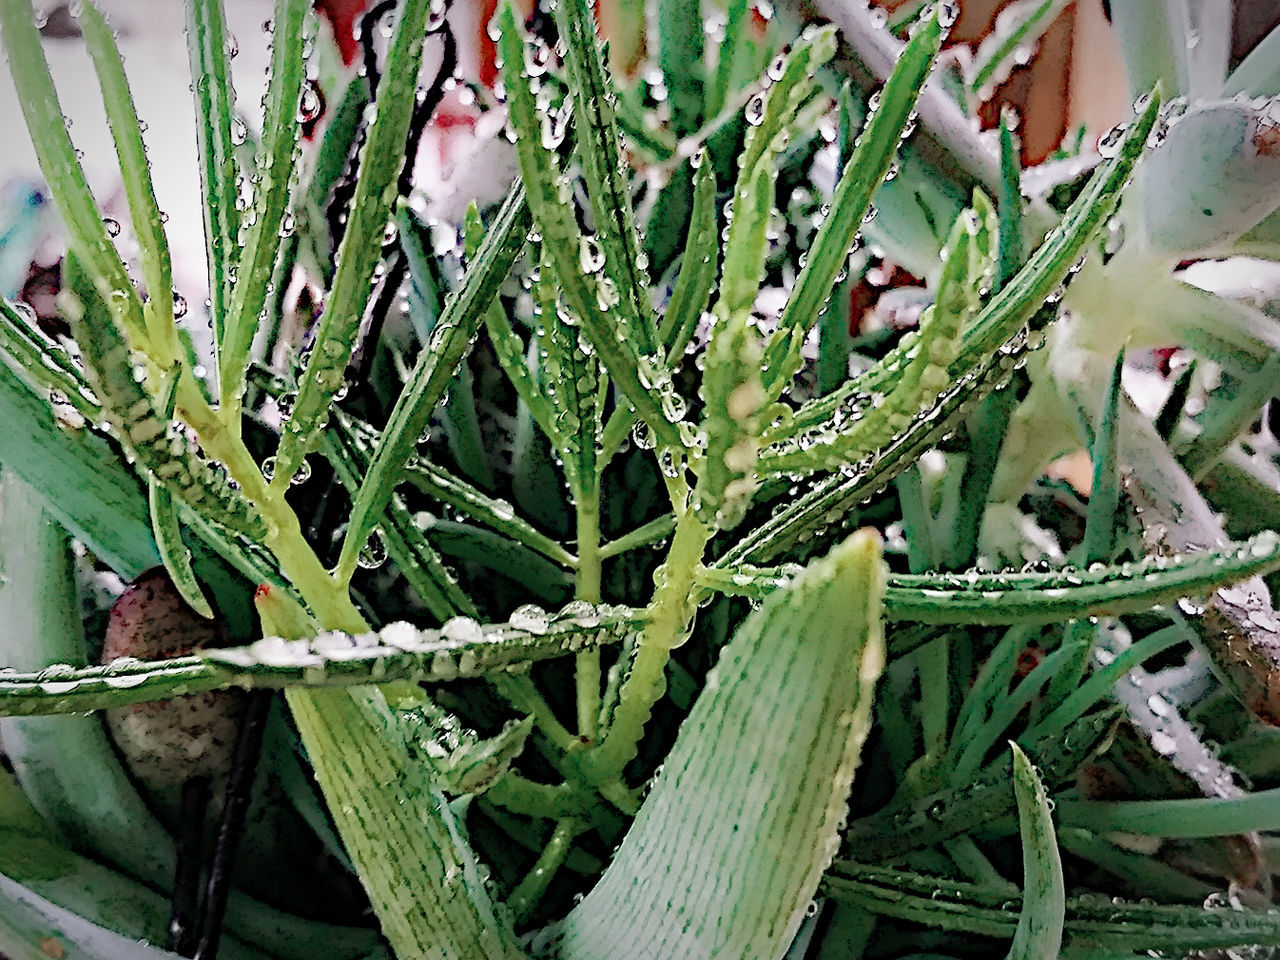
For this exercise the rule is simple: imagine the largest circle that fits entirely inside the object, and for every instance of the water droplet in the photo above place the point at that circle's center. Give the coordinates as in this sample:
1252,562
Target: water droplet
374,552
179,305
590,254
530,618
309,104
1109,143
113,227
755,110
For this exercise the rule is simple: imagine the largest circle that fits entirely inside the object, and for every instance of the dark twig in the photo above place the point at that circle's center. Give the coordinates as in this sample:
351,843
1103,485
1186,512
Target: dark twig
186,878
244,766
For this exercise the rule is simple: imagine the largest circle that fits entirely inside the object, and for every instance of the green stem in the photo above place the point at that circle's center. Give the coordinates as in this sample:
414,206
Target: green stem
587,672
529,892
668,623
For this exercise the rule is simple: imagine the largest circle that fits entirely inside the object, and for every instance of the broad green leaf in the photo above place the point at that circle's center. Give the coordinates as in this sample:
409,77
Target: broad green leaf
1145,33
371,207
463,314
249,273
865,171
214,97
589,295
166,529
145,213
753,771
461,649
1257,74
1039,932
87,234
605,169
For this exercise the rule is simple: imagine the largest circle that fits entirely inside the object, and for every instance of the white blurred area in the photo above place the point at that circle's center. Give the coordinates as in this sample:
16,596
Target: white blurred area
152,40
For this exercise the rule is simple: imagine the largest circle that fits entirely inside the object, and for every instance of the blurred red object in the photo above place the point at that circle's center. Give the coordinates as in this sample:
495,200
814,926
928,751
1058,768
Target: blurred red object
342,16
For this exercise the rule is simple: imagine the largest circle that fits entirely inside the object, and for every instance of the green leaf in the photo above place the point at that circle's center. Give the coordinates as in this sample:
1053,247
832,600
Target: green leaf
590,297
753,771
975,597
87,234
729,56
1104,497
1039,932
250,272
462,316
145,213
461,649
865,171
1020,27
680,57
418,561
164,525
734,398
570,376
689,297
167,456
380,163
219,172
1123,927
773,116
990,350
604,168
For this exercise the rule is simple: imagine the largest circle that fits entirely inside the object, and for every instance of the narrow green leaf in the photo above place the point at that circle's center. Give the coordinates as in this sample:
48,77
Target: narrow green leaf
995,340
865,171
509,348
250,275
773,117
44,364
417,560
571,378
680,57
605,169
689,297
1019,27
734,397
166,455
461,649
753,771
87,234
544,580
380,163
462,316
738,21
1124,927
1104,497
1009,207
164,524
214,97
590,297
975,597
1044,892
920,822
148,225
1175,404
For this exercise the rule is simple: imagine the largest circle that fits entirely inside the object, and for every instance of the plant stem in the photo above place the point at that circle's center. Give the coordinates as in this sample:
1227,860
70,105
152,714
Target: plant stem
529,892
587,587
668,623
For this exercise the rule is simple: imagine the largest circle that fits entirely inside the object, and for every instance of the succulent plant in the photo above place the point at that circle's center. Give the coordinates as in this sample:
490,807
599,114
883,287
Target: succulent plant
626,600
